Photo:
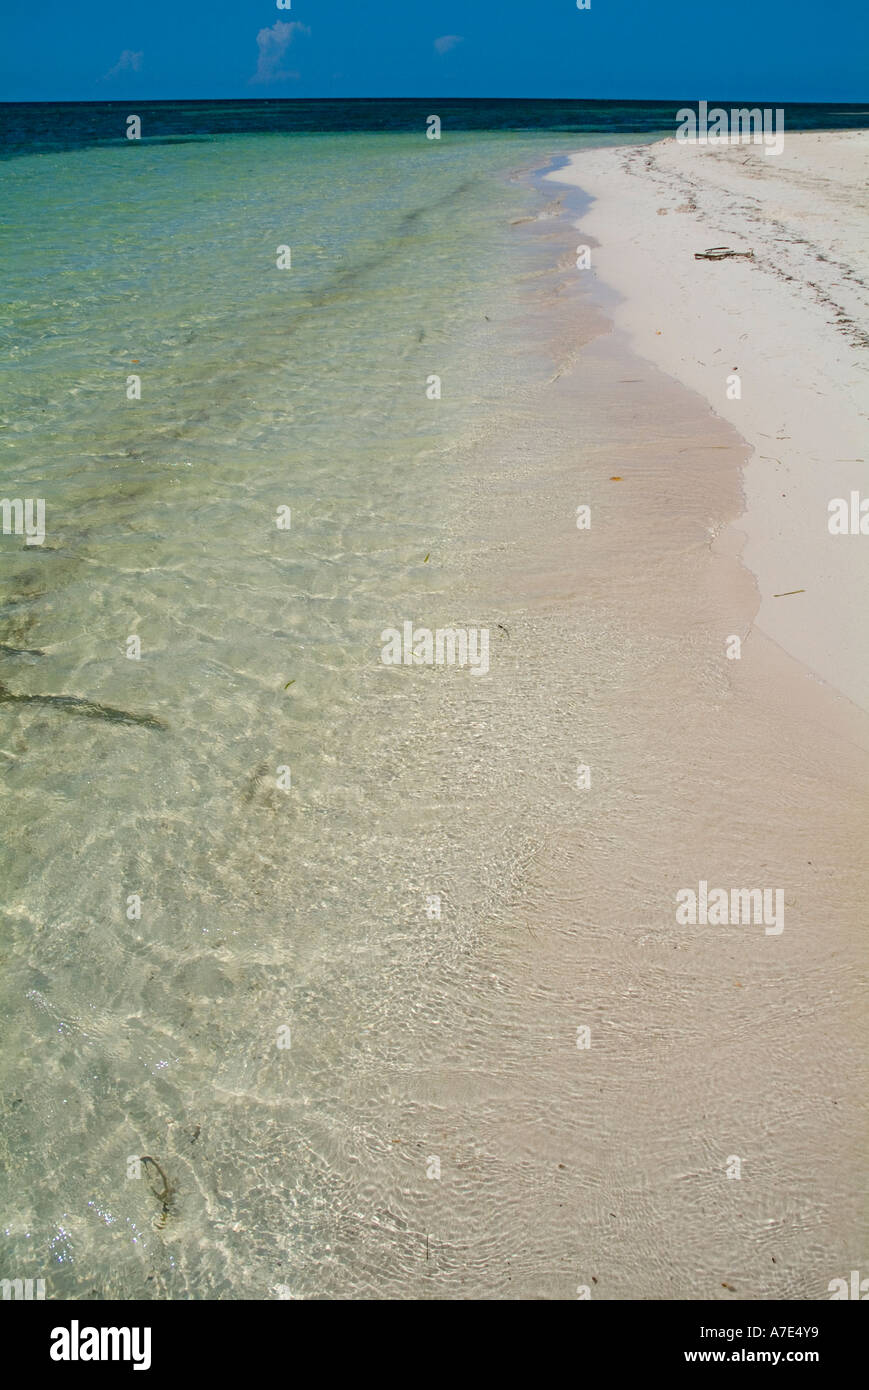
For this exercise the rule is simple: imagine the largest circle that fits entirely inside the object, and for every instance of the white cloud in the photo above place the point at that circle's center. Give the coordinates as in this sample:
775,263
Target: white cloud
128,62
443,45
273,44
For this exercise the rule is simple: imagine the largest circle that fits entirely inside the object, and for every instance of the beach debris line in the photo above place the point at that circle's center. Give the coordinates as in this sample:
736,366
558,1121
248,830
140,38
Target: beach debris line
722,253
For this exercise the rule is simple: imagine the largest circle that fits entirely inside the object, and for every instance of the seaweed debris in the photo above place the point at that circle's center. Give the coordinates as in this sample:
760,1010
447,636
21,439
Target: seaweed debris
74,704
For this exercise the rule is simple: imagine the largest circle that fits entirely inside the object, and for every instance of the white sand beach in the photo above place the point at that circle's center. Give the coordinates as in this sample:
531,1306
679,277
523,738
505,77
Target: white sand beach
792,323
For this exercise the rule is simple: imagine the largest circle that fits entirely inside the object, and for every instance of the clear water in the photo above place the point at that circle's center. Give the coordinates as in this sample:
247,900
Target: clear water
261,908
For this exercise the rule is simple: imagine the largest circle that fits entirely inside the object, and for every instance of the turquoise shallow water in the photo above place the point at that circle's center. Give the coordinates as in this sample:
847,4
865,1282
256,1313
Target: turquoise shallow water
154,1029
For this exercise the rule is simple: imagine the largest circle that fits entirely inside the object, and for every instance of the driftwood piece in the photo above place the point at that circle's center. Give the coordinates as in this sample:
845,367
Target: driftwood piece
722,253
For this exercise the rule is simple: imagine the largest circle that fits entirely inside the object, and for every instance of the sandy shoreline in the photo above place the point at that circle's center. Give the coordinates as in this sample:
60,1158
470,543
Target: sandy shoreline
606,1172
792,323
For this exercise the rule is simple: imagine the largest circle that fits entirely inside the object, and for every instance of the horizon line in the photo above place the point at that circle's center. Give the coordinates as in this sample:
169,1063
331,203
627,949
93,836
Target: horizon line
124,100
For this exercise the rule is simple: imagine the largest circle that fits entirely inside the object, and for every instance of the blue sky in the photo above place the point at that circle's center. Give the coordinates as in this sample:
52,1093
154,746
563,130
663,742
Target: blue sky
789,50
